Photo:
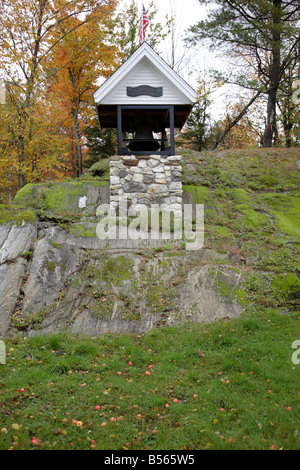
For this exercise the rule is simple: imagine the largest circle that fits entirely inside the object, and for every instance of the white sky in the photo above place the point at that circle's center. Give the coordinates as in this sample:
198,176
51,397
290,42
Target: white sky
187,13
199,60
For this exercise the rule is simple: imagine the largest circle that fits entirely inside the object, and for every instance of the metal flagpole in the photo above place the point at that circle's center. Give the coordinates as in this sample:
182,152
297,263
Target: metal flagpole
142,17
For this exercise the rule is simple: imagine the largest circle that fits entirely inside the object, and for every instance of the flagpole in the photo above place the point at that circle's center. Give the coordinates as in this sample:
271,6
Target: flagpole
142,17
144,24
142,3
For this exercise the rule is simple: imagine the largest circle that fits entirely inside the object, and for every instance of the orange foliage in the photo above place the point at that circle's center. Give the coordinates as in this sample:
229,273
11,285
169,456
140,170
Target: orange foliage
83,56
52,53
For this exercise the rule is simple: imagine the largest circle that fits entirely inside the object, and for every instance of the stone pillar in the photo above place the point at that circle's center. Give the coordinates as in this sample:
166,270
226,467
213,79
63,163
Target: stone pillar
146,179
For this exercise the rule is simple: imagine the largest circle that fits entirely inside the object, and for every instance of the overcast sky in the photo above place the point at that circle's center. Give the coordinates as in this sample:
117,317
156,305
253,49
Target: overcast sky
186,13
199,60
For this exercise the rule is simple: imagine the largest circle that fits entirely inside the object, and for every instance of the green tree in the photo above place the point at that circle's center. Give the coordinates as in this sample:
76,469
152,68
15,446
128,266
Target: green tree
198,129
101,143
266,31
289,111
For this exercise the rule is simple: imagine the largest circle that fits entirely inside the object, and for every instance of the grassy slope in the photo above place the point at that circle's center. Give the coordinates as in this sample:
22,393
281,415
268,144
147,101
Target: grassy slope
252,210
241,391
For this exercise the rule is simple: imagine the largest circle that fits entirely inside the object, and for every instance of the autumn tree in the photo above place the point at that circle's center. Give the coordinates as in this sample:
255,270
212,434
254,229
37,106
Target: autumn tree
240,133
28,37
268,31
46,147
85,54
126,30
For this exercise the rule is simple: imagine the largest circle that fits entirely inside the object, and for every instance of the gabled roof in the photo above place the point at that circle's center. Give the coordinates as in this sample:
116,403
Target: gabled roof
146,51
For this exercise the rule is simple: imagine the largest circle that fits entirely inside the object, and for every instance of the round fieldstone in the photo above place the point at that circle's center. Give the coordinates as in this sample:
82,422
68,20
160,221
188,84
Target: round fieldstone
148,179
114,180
157,189
137,178
175,186
158,169
133,187
130,160
144,202
176,176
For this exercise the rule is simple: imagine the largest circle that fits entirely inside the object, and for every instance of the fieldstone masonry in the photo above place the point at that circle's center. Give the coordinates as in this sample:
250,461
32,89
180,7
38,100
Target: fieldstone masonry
146,179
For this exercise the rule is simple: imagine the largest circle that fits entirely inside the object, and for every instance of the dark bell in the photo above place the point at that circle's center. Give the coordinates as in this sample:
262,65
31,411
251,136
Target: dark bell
143,139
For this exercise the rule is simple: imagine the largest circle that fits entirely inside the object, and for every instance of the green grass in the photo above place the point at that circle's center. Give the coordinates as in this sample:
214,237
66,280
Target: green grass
244,368
242,392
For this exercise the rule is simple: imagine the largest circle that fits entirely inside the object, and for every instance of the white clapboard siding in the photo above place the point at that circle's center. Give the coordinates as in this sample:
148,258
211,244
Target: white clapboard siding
145,67
144,73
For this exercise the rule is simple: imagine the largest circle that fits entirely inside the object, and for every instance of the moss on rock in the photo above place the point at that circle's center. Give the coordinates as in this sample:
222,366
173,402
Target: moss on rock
286,210
16,216
225,286
286,287
253,218
83,230
201,195
58,198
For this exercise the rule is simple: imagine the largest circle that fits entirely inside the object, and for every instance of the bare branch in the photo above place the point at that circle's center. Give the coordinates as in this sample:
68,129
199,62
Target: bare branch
236,120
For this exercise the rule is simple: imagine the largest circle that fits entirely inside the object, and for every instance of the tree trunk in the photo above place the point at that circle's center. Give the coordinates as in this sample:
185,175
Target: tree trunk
287,126
73,154
10,186
21,180
75,112
271,118
270,129
77,141
21,151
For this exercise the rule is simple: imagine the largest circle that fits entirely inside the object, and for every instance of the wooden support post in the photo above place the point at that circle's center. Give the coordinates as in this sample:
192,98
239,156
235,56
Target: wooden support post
119,128
172,132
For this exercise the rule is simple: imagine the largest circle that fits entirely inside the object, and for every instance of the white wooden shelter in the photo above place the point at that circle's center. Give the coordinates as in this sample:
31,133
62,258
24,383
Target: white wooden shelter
144,92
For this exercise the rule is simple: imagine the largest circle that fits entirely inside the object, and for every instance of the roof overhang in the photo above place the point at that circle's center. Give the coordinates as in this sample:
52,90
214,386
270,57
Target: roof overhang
107,113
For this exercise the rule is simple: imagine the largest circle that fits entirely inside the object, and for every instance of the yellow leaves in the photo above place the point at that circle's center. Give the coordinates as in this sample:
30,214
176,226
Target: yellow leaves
41,43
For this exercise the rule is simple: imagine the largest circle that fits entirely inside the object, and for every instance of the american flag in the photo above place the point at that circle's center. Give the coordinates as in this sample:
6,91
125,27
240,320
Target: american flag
144,24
